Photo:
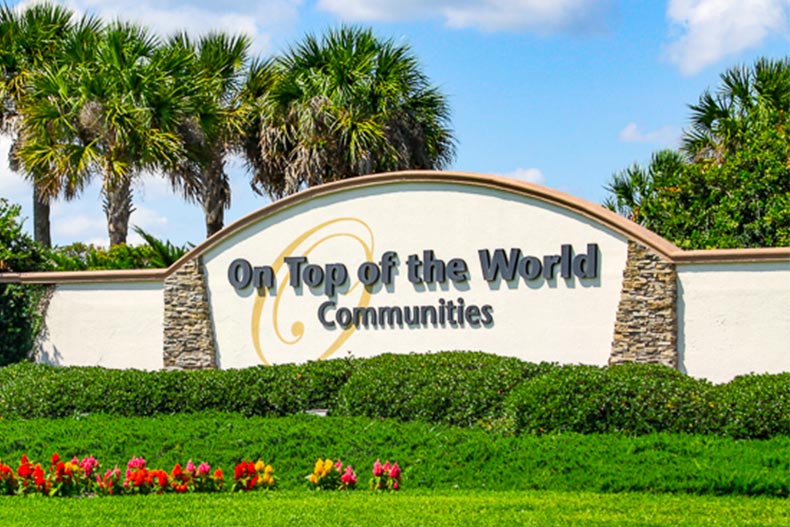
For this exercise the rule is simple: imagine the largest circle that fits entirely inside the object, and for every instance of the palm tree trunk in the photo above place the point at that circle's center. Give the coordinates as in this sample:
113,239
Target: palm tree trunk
216,195
41,230
118,209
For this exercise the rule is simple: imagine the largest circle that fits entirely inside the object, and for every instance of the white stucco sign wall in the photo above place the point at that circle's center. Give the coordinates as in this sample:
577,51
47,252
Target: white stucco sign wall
429,261
430,254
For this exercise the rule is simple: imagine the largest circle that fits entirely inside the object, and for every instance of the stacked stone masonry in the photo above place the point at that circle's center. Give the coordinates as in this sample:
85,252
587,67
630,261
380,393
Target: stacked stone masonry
646,325
188,335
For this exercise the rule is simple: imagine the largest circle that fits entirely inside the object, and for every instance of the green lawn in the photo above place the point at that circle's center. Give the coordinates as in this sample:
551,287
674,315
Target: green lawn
407,508
433,457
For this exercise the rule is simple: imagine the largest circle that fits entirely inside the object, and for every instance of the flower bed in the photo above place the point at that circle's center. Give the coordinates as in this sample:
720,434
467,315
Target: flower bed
85,477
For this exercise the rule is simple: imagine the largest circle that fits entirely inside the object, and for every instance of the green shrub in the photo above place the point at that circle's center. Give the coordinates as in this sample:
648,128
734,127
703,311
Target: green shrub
19,314
35,390
459,388
455,388
153,254
627,398
755,406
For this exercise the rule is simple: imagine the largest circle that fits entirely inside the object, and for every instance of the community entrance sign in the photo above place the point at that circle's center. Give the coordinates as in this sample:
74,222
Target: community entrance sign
430,261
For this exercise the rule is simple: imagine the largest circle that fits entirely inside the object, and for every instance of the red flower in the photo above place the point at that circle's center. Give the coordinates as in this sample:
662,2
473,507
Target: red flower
60,470
25,469
55,458
38,478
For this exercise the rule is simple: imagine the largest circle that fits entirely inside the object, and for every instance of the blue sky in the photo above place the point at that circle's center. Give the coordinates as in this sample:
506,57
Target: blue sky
558,92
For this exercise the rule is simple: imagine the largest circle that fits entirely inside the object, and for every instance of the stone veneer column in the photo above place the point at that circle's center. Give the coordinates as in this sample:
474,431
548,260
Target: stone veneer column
189,334
646,326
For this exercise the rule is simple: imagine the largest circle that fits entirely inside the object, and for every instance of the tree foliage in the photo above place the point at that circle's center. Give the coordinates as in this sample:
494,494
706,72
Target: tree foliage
19,316
345,105
213,128
729,186
111,115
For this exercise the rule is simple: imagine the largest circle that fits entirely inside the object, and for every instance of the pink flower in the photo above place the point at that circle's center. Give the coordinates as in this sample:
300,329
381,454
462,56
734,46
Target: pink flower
395,485
136,462
203,468
349,477
190,466
88,464
395,472
339,465
387,466
378,470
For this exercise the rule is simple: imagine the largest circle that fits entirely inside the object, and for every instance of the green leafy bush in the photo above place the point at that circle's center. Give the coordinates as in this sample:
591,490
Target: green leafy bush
19,316
628,398
35,390
153,254
465,389
459,388
755,406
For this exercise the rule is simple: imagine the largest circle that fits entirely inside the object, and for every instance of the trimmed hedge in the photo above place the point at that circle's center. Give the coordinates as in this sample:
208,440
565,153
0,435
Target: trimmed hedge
755,406
34,390
628,398
458,388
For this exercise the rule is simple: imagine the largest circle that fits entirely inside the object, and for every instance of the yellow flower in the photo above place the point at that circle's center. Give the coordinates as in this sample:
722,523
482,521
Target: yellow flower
313,479
328,466
259,466
319,466
269,470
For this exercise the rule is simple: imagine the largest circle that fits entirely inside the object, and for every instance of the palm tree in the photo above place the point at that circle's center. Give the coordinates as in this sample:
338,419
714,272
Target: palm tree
720,121
633,190
30,40
347,105
112,116
213,127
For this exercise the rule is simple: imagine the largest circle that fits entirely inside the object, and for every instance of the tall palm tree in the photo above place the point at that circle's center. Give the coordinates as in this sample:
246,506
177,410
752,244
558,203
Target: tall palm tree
720,120
111,116
213,126
347,105
30,40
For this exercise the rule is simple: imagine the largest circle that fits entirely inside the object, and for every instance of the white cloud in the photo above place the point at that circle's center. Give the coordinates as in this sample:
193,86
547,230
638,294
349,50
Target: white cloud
530,175
79,225
13,186
665,136
710,30
150,221
541,16
151,186
257,19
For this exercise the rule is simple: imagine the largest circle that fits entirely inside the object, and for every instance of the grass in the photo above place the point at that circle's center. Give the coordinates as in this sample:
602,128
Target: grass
445,508
433,457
